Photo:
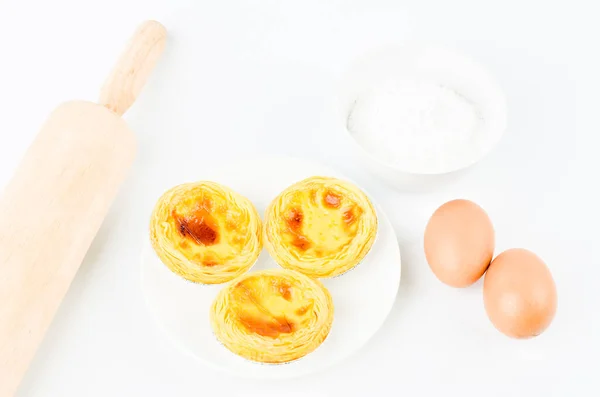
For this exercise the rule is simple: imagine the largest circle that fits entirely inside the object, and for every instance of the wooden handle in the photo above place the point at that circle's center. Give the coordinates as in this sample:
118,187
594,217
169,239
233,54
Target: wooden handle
129,75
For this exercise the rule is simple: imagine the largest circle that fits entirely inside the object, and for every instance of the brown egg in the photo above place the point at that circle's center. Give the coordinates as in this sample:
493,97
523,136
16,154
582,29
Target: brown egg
519,294
459,243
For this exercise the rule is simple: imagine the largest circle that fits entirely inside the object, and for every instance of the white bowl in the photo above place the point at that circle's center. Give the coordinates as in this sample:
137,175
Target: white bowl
439,65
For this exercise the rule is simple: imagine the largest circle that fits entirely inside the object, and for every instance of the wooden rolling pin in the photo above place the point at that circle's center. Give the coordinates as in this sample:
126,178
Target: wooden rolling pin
54,205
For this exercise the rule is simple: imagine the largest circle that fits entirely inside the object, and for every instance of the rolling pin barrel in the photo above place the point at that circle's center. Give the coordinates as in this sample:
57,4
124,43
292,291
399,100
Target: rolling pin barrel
52,208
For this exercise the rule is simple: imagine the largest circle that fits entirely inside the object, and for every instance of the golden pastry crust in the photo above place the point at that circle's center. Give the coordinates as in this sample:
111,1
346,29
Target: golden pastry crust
206,232
272,316
320,226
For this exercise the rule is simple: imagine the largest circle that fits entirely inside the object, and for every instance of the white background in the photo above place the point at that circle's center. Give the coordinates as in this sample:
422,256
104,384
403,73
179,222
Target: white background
254,78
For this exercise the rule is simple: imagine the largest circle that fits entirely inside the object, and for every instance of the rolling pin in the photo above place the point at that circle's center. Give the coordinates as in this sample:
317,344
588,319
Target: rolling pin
61,191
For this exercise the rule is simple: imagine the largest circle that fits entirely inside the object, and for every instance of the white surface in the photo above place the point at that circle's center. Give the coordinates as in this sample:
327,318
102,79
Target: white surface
421,109
253,78
362,297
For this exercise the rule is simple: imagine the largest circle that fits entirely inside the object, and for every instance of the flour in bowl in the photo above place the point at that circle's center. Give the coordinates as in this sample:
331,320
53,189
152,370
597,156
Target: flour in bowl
416,126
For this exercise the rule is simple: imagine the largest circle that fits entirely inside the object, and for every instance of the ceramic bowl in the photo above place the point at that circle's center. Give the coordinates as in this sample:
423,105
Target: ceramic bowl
426,63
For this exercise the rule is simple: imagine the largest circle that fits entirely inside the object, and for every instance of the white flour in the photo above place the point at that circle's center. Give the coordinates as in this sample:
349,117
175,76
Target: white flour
417,126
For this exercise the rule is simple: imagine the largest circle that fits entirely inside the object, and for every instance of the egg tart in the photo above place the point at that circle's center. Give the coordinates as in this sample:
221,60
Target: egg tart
205,232
320,226
272,316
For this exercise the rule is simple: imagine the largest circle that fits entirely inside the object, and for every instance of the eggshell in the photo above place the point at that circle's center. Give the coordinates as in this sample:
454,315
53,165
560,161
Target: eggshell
459,242
519,294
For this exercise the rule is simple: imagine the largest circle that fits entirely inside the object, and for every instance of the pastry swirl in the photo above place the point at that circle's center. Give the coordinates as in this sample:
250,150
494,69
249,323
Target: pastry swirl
272,316
206,232
320,226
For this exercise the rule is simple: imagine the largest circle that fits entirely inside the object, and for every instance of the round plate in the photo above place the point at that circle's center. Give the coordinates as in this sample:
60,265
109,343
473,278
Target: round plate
363,297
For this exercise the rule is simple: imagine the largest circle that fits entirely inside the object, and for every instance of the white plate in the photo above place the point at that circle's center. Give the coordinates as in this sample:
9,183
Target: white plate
363,297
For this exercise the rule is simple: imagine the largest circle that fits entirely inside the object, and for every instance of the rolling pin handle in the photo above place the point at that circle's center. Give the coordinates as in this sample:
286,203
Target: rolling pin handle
129,75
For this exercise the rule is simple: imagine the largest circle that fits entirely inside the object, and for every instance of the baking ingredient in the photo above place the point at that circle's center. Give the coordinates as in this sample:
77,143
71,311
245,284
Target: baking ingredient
459,242
416,125
519,294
